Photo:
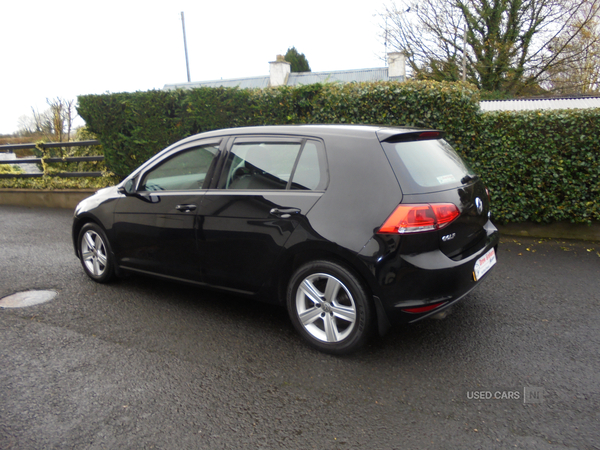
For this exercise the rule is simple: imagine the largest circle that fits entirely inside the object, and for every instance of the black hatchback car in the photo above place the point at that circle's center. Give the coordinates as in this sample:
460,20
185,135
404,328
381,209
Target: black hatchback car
352,228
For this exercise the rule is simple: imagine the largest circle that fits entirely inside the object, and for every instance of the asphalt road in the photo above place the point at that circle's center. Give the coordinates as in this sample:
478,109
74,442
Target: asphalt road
142,363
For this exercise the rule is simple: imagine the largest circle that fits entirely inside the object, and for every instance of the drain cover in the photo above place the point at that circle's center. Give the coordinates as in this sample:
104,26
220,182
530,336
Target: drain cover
27,298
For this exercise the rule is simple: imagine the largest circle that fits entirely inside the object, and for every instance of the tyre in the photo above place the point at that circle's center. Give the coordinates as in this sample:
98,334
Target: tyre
94,253
330,307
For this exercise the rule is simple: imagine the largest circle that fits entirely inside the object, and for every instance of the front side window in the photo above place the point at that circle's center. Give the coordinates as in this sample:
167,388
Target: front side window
186,170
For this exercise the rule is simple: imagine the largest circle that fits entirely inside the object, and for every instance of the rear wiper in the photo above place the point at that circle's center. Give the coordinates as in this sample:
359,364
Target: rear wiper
468,178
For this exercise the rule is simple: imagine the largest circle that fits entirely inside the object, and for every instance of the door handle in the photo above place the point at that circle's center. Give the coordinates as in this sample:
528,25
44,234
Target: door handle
284,213
185,208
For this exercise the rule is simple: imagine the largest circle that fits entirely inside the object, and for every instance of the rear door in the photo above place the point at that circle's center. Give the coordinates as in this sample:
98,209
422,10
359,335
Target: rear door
266,188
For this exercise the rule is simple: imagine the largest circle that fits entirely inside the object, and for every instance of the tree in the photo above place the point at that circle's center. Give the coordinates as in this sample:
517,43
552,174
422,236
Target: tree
498,45
27,126
297,60
54,124
579,70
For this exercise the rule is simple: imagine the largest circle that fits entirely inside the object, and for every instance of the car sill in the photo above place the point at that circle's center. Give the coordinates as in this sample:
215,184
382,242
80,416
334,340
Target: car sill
184,280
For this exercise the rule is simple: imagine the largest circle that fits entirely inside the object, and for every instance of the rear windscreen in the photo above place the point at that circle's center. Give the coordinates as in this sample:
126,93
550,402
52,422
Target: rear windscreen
426,166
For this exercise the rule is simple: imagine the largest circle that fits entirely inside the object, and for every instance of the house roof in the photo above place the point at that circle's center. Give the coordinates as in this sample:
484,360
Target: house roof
243,83
344,76
382,74
527,104
295,79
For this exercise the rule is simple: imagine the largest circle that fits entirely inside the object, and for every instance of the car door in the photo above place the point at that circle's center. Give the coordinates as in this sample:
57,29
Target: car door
266,188
156,223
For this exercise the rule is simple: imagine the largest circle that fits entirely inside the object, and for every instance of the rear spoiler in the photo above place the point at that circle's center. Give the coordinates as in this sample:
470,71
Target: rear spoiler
392,136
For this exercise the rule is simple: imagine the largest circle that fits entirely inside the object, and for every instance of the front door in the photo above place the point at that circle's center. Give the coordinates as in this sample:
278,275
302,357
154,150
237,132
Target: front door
157,224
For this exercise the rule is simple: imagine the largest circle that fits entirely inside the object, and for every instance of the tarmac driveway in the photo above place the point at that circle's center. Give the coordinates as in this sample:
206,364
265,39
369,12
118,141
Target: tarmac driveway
142,363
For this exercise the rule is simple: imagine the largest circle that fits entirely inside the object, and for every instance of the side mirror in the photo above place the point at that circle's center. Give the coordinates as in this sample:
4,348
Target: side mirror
127,188
147,197
142,195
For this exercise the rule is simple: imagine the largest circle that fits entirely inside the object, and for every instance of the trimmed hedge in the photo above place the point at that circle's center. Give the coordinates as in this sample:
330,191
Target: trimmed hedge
135,126
50,182
539,166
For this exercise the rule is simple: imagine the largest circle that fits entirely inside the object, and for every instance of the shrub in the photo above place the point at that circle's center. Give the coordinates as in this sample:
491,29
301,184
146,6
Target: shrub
51,181
539,166
9,168
134,126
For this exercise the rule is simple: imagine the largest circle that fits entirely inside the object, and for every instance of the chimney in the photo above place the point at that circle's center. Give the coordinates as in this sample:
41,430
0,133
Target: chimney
279,71
396,66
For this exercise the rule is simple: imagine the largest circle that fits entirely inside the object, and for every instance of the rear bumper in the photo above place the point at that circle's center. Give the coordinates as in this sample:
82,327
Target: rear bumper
418,282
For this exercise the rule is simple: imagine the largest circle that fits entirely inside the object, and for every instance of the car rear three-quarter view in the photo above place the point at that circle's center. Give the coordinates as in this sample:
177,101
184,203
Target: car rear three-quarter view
352,228
439,241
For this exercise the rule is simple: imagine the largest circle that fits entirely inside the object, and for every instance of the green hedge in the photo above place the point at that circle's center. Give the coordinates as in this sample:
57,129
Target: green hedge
10,169
539,166
135,126
50,180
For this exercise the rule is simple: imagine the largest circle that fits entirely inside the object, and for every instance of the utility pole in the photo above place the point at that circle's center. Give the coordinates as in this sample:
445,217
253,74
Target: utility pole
187,63
464,58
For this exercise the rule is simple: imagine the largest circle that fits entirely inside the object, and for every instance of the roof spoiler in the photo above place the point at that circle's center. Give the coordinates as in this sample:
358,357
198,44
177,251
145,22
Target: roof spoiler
392,136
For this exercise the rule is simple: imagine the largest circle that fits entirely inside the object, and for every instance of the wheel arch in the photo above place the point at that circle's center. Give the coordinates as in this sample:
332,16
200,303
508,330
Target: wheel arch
308,253
82,221
78,223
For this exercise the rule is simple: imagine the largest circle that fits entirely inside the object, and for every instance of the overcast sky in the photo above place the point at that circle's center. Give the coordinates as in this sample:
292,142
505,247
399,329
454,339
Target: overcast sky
66,48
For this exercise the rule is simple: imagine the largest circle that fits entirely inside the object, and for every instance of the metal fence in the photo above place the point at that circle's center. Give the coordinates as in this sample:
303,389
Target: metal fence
11,147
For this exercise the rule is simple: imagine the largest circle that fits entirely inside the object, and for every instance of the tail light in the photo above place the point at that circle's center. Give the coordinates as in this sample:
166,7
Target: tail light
420,217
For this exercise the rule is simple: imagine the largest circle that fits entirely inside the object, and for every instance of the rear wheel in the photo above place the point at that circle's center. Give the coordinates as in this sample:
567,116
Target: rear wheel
94,253
330,307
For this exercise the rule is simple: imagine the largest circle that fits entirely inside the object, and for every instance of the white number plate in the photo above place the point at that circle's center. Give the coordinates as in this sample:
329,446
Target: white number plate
484,264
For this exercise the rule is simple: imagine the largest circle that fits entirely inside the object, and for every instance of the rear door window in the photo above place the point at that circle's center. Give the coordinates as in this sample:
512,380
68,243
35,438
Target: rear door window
308,173
271,164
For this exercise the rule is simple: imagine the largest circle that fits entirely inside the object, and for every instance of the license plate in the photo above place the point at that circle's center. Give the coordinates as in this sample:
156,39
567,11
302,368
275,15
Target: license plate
484,264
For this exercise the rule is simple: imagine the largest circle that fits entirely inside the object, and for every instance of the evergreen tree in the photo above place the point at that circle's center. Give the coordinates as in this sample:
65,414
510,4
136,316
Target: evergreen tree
297,60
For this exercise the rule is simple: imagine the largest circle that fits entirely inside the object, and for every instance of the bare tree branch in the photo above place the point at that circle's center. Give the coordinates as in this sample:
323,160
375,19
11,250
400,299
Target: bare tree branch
511,45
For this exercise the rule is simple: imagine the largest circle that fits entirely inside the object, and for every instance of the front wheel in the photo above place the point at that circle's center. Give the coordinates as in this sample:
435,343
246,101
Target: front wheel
94,253
330,307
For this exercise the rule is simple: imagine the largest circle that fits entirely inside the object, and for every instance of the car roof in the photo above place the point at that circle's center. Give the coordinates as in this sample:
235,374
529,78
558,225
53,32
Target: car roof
324,131
317,130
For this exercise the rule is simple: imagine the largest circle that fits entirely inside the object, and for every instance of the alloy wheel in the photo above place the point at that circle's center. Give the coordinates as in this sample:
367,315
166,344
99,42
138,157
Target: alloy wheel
93,253
325,307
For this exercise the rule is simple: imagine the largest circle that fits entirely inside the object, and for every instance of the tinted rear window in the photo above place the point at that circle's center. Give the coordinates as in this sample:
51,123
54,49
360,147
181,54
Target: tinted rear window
270,163
426,166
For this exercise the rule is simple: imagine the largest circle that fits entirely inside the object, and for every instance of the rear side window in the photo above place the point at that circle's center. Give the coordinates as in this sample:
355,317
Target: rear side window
268,164
308,173
426,165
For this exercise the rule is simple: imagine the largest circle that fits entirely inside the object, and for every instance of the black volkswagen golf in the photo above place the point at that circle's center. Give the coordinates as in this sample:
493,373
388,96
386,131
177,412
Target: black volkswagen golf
352,228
